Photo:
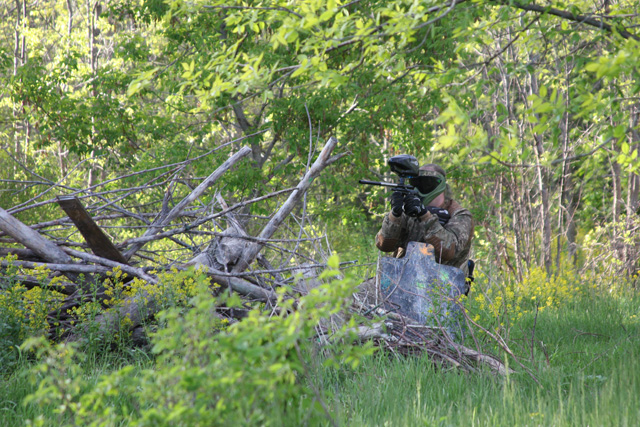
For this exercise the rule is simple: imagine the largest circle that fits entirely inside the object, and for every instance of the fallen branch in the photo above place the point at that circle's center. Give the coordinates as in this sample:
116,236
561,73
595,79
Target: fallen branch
197,192
126,268
34,241
30,282
199,222
321,162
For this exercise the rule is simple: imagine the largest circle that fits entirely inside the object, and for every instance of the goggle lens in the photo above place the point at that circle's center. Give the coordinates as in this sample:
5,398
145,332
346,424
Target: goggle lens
425,184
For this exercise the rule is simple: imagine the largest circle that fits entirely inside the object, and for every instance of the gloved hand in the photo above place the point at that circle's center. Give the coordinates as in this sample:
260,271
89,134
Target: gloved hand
413,206
397,202
443,214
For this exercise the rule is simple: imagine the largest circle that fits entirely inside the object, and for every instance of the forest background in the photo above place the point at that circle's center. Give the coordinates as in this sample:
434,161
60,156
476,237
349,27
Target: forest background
531,107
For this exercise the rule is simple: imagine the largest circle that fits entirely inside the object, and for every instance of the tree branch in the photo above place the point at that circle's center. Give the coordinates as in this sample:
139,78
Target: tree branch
155,228
581,19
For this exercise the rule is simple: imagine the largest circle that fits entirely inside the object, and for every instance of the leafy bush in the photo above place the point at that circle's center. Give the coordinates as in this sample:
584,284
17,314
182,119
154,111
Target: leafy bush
207,372
504,303
23,312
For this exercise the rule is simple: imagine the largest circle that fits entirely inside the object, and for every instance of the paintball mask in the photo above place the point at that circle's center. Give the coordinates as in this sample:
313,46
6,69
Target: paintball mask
430,183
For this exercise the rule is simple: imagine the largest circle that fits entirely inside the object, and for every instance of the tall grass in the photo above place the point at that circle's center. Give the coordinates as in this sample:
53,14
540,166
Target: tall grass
585,355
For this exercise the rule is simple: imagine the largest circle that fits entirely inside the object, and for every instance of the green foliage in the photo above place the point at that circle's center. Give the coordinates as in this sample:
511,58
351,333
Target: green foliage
501,305
59,380
484,89
500,97
210,373
23,313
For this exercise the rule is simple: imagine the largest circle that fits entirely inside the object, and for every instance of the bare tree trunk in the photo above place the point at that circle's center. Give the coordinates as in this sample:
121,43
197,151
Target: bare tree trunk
617,230
517,225
23,56
633,183
541,177
92,14
16,41
70,19
62,158
616,175
632,194
564,184
544,207
571,200
17,62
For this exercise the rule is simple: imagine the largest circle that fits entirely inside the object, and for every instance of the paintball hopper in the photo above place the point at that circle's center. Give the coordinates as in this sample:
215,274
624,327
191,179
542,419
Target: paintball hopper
404,165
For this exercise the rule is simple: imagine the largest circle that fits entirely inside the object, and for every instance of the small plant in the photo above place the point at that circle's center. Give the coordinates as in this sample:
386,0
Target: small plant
59,379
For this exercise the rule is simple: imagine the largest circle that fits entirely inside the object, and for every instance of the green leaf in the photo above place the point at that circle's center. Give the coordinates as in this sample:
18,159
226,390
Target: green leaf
543,91
592,66
326,15
625,148
300,70
334,261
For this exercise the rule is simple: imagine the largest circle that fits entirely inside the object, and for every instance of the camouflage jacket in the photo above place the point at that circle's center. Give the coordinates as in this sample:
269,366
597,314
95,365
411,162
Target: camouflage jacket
452,242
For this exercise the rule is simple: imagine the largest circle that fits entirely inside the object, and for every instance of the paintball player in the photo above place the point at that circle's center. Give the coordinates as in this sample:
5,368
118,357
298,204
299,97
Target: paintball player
432,217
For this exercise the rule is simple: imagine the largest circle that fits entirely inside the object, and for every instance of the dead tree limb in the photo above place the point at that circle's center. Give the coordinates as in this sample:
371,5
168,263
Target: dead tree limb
200,221
197,192
97,240
42,247
321,162
243,287
30,282
22,254
66,269
126,268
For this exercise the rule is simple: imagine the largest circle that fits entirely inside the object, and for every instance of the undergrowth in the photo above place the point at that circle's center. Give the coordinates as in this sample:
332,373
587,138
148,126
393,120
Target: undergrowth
579,339
207,372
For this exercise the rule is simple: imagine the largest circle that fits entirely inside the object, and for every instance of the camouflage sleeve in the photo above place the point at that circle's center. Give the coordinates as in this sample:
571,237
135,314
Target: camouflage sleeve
392,233
452,241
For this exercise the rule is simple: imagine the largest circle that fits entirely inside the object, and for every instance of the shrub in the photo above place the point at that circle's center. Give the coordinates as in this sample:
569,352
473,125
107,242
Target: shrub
210,373
504,303
23,312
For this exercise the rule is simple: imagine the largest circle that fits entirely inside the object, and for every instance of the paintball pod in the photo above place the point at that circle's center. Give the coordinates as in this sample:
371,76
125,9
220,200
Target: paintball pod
405,166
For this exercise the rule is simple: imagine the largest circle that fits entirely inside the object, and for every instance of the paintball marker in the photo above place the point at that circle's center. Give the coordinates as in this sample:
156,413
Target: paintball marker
405,166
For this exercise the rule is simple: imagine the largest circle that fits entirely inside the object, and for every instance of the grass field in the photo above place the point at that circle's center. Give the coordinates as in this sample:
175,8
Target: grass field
585,357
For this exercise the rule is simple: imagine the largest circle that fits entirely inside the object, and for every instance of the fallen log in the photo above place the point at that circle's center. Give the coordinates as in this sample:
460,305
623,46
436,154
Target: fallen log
30,282
126,268
21,254
97,240
66,269
34,241
132,307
